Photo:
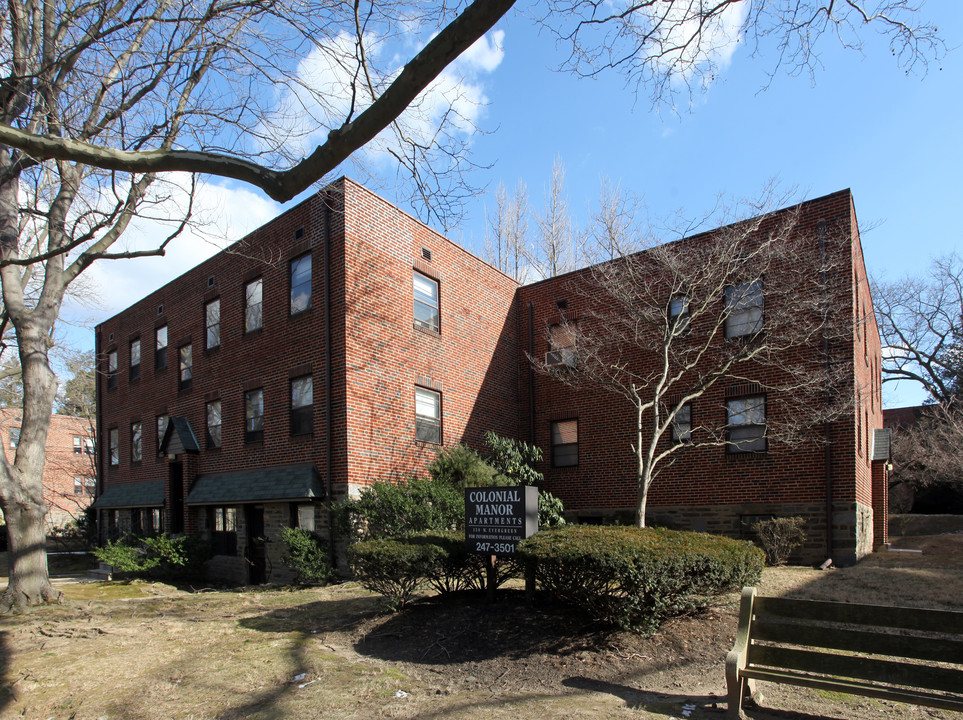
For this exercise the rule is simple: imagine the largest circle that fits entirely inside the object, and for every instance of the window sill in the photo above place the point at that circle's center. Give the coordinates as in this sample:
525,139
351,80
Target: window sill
253,333
211,350
431,332
301,313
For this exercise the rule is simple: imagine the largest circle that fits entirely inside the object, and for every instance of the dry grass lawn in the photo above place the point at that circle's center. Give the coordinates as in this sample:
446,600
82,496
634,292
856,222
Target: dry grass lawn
142,650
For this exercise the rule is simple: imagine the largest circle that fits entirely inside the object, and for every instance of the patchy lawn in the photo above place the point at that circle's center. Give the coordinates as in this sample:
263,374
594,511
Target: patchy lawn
143,650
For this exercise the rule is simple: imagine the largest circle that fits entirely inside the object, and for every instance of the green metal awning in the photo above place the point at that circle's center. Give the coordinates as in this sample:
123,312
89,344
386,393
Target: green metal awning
149,494
281,483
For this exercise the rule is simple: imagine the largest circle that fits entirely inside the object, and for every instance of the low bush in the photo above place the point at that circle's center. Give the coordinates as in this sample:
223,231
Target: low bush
162,556
307,555
637,577
779,537
392,509
394,568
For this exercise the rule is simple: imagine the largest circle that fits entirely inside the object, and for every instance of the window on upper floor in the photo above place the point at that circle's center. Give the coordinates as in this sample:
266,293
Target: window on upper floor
14,437
300,284
136,442
744,308
223,524
78,486
213,424
162,421
565,443
746,424
682,424
78,445
134,359
254,416
426,302
212,324
428,416
90,485
561,343
679,314
302,405
160,348
111,369
88,446
185,364
113,446
253,305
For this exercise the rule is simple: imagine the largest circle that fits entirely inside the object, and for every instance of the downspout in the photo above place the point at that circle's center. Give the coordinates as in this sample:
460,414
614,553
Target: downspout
827,425
328,433
98,427
531,373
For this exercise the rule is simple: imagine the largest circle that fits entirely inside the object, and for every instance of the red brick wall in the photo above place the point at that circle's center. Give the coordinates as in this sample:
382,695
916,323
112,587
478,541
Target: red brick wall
471,361
62,465
377,355
605,477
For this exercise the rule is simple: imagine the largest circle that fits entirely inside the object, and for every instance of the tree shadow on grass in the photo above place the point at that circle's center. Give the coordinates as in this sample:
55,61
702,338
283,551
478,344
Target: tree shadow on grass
462,627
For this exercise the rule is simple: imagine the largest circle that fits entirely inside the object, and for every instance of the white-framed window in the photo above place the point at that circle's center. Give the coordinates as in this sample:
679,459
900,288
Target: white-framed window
113,445
136,442
78,486
300,284
253,305
160,348
254,416
428,416
88,446
78,445
679,314
302,405
111,369
213,424
162,422
426,302
682,424
565,443
746,424
306,517
744,308
212,323
14,437
185,364
134,359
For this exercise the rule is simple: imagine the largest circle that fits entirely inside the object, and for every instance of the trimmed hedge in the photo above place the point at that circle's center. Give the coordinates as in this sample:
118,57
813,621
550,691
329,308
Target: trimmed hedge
637,577
397,567
306,553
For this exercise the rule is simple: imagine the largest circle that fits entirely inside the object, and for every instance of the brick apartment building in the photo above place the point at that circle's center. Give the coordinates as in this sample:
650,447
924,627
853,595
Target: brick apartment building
69,475
346,342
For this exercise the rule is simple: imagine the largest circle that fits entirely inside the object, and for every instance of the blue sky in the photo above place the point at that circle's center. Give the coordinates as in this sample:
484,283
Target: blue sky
894,139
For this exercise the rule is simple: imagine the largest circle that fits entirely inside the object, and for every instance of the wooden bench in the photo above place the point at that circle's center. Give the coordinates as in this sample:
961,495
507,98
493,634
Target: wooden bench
896,653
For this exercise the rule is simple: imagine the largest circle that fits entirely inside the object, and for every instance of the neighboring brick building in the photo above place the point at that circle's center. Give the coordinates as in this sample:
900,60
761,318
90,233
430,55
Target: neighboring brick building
221,412
69,475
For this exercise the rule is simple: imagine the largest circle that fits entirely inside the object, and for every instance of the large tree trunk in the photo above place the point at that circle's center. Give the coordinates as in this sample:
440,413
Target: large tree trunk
22,480
29,581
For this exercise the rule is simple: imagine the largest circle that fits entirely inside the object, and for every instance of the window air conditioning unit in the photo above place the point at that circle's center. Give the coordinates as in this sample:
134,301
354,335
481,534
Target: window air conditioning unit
563,357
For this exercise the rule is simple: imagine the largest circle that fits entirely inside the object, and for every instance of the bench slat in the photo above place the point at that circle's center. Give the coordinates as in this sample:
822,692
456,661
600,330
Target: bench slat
851,666
942,621
898,694
865,641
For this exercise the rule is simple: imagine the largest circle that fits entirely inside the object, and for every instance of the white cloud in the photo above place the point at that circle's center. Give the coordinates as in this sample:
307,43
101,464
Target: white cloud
223,214
329,84
716,40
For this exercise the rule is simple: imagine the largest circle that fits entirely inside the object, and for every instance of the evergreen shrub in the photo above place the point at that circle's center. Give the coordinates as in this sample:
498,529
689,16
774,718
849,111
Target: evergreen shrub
779,537
306,553
390,509
635,578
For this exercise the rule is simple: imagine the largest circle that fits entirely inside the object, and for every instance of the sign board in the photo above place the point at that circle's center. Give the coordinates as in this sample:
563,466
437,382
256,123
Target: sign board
498,518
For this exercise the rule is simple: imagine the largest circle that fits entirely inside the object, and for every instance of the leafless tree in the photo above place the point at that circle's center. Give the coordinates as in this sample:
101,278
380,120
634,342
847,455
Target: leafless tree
928,452
98,101
663,327
551,252
921,326
506,237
